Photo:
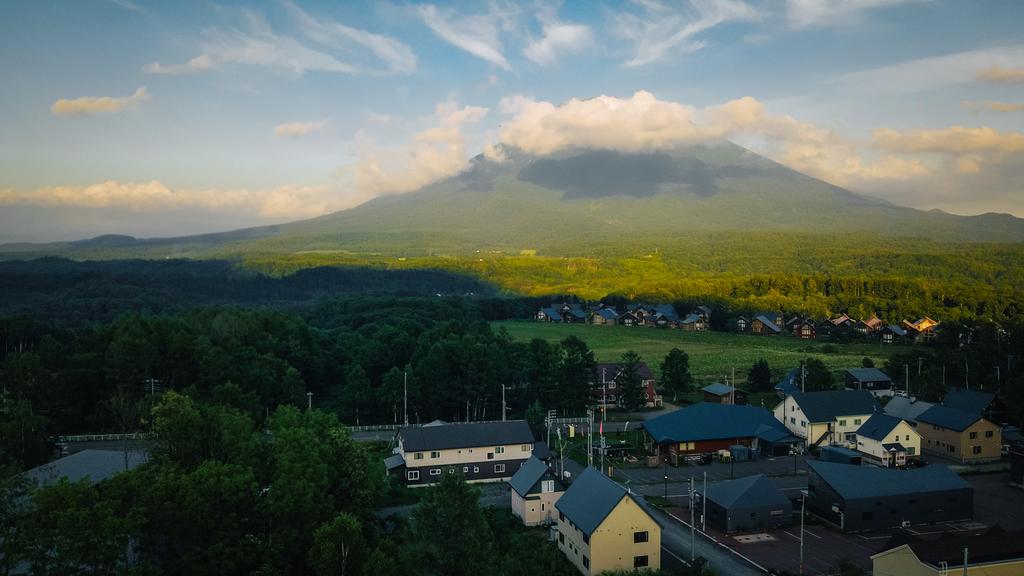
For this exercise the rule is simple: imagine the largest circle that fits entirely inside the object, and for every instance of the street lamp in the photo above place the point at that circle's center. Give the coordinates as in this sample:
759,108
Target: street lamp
666,478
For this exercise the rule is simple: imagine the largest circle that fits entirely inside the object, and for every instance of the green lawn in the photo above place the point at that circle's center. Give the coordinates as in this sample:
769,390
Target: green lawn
713,355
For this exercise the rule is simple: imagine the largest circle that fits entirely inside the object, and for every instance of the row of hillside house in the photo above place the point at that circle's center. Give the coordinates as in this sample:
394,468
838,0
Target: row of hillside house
839,327
962,427
605,389
654,315
480,451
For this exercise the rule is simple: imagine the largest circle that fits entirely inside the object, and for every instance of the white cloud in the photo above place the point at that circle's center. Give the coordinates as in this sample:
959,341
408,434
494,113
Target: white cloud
98,104
827,13
298,129
201,63
662,31
397,55
476,34
1002,75
430,155
952,140
556,37
991,106
931,73
282,202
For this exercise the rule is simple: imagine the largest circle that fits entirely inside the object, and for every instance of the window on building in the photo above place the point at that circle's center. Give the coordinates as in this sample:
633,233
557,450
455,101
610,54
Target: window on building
640,561
499,467
988,434
856,421
451,470
586,539
418,456
639,537
499,450
547,486
412,475
465,469
586,562
561,538
435,454
490,455
950,447
792,420
435,471
476,469
974,435
525,447
911,451
976,449
803,423
842,422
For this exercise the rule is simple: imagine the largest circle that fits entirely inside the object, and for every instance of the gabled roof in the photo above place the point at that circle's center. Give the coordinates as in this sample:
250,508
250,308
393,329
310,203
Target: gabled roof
768,323
552,313
607,313
752,491
96,465
469,435
610,372
878,426
828,405
868,375
789,383
894,447
968,400
668,310
541,450
526,480
841,319
897,330
590,499
691,319
774,434
905,408
994,545
710,421
718,389
704,309
950,418
577,311
394,461
851,481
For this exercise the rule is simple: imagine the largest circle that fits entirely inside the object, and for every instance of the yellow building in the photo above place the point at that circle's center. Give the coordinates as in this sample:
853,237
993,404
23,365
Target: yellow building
826,418
603,527
534,490
993,553
959,435
888,440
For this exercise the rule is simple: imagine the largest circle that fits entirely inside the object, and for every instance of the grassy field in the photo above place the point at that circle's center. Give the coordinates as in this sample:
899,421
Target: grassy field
713,355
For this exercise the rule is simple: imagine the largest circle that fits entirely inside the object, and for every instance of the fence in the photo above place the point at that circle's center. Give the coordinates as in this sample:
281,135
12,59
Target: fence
103,437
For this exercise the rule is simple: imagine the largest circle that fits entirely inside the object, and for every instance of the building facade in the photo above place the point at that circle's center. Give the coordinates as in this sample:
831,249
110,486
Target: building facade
480,451
534,489
959,435
888,441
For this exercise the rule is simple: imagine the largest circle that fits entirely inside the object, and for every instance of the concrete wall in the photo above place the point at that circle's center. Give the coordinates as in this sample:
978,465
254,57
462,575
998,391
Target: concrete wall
536,509
902,561
959,445
612,543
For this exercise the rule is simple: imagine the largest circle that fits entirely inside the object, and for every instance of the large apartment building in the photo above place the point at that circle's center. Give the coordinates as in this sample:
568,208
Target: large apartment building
480,451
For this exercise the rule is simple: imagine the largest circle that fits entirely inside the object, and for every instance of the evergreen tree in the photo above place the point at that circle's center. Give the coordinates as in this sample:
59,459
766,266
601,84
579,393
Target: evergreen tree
451,529
759,378
817,376
629,382
675,373
578,368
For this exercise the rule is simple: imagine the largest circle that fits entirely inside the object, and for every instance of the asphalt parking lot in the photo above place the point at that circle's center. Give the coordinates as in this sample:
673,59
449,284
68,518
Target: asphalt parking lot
778,466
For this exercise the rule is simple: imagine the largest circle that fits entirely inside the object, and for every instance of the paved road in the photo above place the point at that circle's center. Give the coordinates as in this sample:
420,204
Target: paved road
675,545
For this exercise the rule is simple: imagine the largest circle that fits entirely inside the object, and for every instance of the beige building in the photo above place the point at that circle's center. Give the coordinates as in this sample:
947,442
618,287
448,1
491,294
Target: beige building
993,553
826,418
888,441
603,527
480,451
959,435
534,490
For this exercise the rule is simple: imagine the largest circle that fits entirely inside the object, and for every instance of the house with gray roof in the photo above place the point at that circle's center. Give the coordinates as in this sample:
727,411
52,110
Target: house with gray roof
723,394
708,427
604,527
753,503
888,441
871,379
826,417
534,489
906,408
859,498
960,435
763,325
92,465
480,451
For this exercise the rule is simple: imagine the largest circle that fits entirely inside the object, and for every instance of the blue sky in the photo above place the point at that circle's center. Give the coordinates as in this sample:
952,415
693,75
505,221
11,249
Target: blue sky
161,118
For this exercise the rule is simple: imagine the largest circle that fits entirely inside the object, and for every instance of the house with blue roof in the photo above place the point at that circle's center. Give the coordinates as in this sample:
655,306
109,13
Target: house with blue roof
604,317
534,489
871,379
603,527
723,394
708,427
745,504
830,417
960,435
888,441
859,498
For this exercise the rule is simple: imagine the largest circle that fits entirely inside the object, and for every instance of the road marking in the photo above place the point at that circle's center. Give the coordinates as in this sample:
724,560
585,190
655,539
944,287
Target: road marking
796,537
806,531
674,555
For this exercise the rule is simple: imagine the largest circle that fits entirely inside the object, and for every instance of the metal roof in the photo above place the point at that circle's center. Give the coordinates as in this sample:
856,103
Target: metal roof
768,323
394,461
852,482
906,408
750,492
96,465
878,426
668,310
607,313
828,405
552,314
868,375
950,418
990,547
710,421
468,435
590,499
968,400
529,474
718,389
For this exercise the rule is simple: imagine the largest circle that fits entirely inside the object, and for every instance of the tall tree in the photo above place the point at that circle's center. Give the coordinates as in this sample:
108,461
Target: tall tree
357,389
675,373
817,375
578,369
535,418
759,378
631,390
338,547
451,529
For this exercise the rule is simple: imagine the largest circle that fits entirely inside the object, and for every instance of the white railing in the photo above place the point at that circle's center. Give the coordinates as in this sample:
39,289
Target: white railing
103,437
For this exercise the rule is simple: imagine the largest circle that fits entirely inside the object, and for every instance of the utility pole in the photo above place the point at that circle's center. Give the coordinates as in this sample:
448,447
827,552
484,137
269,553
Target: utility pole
919,360
803,504
405,397
906,377
965,560
803,378
732,395
967,374
590,437
504,409
704,505
692,526
309,400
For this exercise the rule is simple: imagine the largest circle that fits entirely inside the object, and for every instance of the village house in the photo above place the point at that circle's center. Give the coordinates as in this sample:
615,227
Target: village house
921,330
605,389
603,527
723,394
709,427
605,317
871,379
959,435
992,552
741,323
534,489
629,319
481,451
693,323
804,329
829,417
893,334
869,326
764,326
888,441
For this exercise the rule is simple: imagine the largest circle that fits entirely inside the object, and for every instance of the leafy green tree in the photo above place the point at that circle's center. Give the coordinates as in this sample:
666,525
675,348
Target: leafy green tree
541,367
817,376
578,369
629,382
759,377
535,418
357,390
451,530
13,492
675,373
338,547
178,427
866,362
23,432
